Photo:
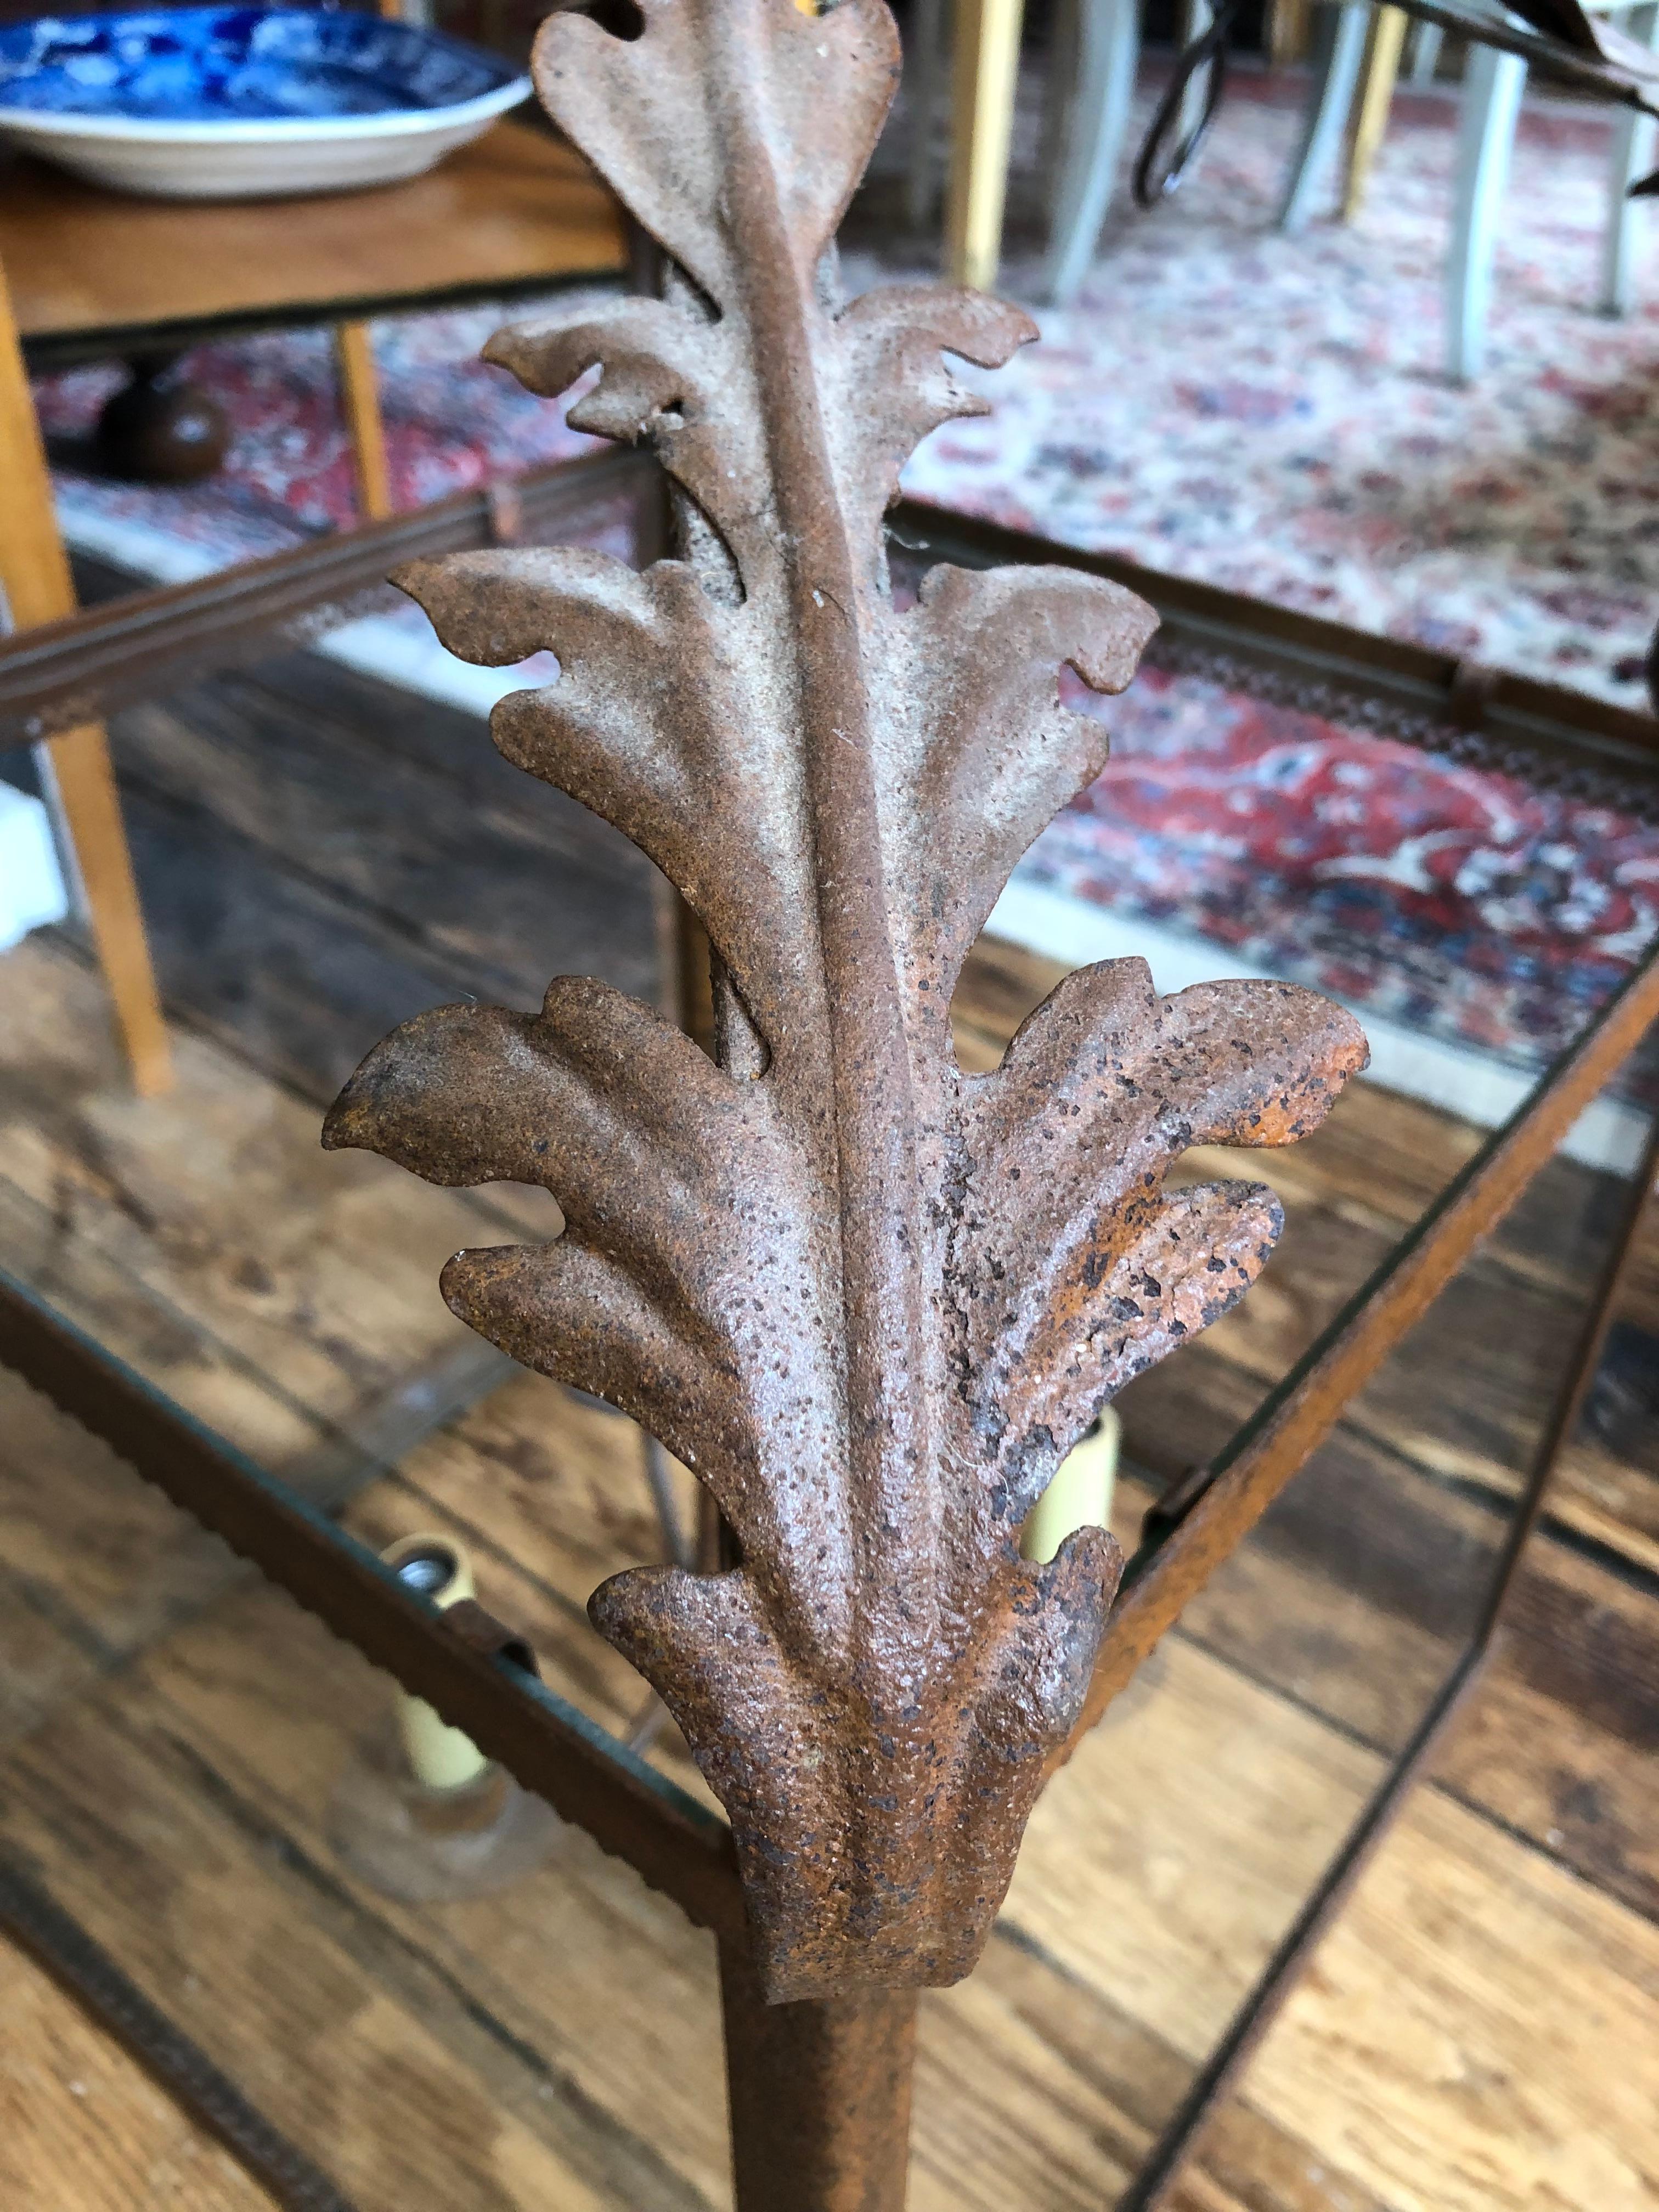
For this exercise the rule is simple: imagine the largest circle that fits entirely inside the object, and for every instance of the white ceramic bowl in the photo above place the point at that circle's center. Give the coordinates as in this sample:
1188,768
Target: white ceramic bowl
255,160
65,83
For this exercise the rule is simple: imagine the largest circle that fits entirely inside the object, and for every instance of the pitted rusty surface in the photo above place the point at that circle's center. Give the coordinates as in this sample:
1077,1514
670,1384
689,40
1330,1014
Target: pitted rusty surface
871,1301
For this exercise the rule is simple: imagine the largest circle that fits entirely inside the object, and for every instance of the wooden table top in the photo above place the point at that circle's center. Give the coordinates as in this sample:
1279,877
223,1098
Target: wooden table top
87,267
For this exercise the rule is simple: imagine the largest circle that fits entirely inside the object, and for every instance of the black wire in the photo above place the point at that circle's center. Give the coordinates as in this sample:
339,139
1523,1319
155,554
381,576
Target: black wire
1207,50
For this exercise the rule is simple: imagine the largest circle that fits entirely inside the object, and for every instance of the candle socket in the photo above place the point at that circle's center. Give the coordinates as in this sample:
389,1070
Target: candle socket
1081,1496
439,1755
419,1812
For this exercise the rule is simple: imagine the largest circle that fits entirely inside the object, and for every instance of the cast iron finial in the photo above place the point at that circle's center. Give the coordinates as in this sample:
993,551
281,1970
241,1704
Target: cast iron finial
871,1301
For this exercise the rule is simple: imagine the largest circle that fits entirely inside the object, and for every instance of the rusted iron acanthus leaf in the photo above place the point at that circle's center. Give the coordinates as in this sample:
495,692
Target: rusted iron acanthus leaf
871,1300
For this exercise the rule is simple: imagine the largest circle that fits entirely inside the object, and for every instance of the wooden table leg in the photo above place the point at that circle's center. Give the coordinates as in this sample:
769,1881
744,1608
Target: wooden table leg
86,803
1376,98
1287,31
360,395
981,130
35,571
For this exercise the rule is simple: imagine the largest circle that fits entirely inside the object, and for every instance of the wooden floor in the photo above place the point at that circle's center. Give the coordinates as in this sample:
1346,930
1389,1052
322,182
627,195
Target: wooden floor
82,2126
320,860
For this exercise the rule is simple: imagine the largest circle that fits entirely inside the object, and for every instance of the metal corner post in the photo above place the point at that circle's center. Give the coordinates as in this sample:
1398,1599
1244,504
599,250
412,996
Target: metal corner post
820,2095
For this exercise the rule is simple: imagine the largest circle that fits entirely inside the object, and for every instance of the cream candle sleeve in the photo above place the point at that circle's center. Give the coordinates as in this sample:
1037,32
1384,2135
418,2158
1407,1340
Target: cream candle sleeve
441,1756
1081,1495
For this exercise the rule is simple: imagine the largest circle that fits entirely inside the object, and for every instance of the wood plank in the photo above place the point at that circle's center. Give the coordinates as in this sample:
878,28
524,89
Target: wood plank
178,1357
320,1270
270,963
94,1565
98,1540
282,1293
1159,1919
1113,2078
1210,1808
516,204
1465,1393
311,884
1361,1587
1585,1796
298,697
1478,1418
337,2012
1477,2032
1446,2047
265,1724
583,1980
83,2128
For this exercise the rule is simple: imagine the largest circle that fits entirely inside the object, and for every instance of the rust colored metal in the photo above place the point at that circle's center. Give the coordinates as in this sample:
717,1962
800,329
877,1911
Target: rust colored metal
1214,2082
83,1970
820,2095
870,1300
482,1633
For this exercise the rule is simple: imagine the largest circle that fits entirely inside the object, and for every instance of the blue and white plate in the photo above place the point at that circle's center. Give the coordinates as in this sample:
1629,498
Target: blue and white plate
243,103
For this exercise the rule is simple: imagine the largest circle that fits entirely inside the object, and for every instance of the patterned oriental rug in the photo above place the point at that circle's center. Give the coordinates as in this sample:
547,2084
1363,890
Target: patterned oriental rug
1266,413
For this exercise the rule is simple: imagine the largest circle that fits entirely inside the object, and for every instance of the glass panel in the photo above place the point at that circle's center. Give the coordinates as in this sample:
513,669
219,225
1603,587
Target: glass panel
1475,923
176,1732
321,856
